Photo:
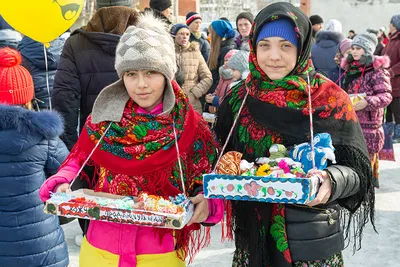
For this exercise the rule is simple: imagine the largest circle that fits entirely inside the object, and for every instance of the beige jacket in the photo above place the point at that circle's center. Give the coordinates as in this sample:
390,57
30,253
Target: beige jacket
198,78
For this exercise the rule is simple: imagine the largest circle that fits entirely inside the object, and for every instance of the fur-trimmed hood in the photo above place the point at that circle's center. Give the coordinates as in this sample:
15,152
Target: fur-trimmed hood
25,128
322,35
380,62
192,47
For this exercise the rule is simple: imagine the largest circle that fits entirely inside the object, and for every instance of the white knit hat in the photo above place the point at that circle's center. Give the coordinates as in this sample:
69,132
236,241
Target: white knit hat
146,46
334,25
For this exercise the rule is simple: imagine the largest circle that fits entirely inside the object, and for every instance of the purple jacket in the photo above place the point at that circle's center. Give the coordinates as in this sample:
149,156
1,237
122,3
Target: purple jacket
376,84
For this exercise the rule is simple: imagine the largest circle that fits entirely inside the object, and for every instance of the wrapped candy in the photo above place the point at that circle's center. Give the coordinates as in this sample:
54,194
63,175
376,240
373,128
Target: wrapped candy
264,170
284,166
324,150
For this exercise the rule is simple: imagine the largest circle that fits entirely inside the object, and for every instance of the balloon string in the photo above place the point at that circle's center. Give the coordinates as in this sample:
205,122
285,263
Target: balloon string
47,76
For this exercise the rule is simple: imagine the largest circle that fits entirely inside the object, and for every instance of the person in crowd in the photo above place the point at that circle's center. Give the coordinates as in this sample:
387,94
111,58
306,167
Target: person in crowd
344,50
197,76
30,151
243,23
380,46
162,9
86,66
317,24
367,74
382,34
324,50
222,41
352,34
42,66
334,25
193,21
238,66
224,85
109,3
392,50
268,234
145,97
8,36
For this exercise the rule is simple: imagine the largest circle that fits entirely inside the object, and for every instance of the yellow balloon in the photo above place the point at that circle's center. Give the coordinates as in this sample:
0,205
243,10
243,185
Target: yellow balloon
41,20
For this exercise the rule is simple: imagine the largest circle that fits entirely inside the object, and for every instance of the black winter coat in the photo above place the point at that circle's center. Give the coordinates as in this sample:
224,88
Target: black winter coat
226,46
35,62
86,66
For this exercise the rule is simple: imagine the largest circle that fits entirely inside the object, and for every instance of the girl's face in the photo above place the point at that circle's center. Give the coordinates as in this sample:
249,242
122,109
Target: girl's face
182,37
236,75
276,57
357,52
145,87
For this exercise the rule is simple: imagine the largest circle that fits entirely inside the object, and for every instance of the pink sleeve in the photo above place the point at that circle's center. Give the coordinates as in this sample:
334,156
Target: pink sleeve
65,175
216,209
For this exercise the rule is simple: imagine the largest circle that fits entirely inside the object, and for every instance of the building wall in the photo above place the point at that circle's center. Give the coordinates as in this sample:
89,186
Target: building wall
358,15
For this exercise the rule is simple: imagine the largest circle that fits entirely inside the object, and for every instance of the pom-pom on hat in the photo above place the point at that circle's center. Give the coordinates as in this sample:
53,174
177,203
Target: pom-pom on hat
16,84
192,16
223,28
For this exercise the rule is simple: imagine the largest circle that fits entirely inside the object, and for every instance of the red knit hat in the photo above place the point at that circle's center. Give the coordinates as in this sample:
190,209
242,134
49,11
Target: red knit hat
16,84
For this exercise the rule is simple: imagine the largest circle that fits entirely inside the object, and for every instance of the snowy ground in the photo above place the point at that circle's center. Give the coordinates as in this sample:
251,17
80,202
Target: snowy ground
378,250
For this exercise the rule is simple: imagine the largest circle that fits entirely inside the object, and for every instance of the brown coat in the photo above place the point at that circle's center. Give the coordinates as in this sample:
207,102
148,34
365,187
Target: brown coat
198,78
392,50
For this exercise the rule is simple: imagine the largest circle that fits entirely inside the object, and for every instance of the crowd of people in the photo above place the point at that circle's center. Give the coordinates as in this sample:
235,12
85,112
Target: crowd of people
127,69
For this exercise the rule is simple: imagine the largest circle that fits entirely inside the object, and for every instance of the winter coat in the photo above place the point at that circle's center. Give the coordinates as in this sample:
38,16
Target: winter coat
30,151
323,53
204,46
242,43
379,49
198,78
34,60
9,38
226,46
376,85
86,66
392,50
224,86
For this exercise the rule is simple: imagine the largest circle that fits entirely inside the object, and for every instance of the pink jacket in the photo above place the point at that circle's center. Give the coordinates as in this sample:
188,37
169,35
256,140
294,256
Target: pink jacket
123,239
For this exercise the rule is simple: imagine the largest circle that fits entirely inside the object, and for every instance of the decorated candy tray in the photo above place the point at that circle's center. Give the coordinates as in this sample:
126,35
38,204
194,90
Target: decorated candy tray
145,210
261,189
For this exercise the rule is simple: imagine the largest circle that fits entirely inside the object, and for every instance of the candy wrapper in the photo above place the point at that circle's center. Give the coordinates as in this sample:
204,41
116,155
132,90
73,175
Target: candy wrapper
145,210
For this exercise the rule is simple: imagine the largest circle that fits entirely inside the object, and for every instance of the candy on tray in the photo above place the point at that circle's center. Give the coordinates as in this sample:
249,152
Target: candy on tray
144,210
